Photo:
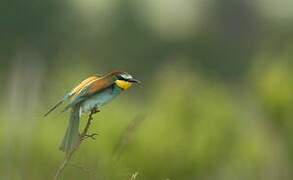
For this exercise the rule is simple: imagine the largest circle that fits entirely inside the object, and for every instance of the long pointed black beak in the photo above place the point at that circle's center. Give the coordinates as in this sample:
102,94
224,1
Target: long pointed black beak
134,80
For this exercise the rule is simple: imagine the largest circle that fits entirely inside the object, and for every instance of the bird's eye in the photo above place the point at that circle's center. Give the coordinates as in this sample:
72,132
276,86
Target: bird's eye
119,77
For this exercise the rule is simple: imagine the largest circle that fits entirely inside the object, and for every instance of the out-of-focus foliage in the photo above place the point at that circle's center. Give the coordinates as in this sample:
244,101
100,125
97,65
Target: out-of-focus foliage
215,103
194,128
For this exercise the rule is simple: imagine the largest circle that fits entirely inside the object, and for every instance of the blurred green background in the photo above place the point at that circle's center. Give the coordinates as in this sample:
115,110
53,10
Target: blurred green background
215,103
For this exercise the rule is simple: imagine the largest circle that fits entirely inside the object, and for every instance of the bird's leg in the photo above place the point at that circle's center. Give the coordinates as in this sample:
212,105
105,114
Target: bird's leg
84,135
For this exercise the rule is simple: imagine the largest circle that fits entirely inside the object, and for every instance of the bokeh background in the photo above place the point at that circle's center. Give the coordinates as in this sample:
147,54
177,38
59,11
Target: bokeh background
215,103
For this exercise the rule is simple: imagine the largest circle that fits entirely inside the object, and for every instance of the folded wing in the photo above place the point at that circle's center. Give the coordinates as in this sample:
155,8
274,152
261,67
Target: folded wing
88,88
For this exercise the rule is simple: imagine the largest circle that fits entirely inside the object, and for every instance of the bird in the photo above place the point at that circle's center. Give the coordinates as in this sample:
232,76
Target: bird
89,96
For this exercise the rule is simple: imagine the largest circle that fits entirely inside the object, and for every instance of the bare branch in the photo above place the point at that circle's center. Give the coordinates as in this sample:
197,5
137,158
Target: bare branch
84,135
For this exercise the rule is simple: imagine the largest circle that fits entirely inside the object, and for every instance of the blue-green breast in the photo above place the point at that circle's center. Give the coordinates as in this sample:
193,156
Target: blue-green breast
101,98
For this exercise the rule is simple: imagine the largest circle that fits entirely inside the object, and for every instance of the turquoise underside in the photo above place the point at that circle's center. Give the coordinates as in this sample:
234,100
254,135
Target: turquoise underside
101,98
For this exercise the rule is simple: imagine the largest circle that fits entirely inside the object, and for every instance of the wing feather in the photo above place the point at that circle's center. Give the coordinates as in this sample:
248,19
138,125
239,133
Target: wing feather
83,84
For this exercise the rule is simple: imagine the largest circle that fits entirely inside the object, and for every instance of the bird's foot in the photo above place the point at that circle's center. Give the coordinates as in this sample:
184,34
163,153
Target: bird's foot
95,110
92,136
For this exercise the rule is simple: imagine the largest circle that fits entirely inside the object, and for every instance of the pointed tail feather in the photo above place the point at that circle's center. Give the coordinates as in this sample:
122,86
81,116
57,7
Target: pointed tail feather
56,105
71,137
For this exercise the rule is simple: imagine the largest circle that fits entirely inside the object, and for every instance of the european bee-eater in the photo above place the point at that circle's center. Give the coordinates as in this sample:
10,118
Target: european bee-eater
91,94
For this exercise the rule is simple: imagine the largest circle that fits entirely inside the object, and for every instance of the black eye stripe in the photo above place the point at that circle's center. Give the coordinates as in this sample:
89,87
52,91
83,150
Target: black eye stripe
120,77
124,77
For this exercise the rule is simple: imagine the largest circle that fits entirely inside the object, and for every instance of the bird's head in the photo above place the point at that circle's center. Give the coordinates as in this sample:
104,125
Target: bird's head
123,79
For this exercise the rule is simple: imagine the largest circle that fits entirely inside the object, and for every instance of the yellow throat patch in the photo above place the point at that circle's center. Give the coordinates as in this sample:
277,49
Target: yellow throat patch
123,84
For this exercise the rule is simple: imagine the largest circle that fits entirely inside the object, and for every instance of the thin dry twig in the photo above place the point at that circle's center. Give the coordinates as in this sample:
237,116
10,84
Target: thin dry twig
89,171
83,136
133,177
127,134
